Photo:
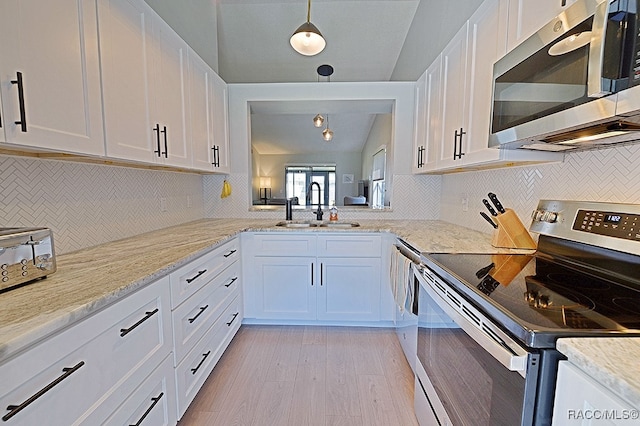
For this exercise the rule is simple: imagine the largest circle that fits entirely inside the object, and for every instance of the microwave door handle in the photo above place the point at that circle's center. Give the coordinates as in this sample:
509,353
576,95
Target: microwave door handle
596,52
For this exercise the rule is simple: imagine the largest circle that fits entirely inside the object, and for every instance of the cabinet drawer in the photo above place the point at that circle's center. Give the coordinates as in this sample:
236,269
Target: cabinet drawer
72,370
288,244
192,277
152,403
350,245
194,317
198,364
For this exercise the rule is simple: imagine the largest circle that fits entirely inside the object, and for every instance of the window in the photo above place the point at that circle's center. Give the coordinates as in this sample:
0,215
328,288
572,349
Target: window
298,179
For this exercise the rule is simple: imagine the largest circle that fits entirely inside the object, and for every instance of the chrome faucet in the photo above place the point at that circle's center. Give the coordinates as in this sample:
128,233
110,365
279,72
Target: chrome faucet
318,212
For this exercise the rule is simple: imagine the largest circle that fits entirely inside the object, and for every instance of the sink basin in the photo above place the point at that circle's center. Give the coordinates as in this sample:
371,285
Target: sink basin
297,224
315,223
340,224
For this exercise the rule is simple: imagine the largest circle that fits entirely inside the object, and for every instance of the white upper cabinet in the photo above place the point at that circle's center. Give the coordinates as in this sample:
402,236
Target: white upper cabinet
125,37
526,17
460,82
50,76
169,95
428,118
144,72
208,114
220,125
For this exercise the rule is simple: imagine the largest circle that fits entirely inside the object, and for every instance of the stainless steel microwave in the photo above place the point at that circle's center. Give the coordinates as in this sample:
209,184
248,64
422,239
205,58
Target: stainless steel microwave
574,84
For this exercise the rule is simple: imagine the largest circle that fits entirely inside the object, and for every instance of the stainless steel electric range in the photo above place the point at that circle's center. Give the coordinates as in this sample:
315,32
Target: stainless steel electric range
488,323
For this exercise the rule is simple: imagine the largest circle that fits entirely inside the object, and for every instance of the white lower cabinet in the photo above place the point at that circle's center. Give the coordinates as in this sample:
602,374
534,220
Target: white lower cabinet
64,379
581,400
307,277
207,313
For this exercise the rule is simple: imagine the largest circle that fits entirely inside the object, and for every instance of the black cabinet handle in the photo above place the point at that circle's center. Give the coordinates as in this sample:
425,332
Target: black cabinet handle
189,280
457,144
231,282
66,372
23,114
154,401
157,130
164,130
202,309
230,253
563,3
312,274
204,356
321,274
216,156
149,314
421,150
233,319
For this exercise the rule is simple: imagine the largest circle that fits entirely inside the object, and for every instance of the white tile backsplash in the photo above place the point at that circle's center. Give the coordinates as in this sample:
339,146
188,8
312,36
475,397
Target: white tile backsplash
601,175
89,204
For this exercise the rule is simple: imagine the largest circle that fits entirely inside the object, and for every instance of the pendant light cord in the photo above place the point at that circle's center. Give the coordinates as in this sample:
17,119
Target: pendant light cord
309,11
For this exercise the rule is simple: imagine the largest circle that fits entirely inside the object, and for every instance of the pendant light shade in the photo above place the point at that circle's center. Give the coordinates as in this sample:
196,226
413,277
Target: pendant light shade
318,120
327,134
307,39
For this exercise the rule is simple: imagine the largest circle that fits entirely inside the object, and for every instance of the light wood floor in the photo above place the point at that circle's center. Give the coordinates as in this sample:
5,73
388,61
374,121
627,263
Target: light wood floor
307,375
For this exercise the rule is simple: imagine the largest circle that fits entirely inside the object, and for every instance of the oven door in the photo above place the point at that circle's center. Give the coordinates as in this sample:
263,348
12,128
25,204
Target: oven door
469,372
560,77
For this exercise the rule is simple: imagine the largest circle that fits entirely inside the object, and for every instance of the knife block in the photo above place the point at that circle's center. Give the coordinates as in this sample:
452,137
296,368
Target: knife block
511,233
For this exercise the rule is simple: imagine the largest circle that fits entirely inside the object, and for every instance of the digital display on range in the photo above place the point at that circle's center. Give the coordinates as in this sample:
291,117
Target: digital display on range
612,218
612,224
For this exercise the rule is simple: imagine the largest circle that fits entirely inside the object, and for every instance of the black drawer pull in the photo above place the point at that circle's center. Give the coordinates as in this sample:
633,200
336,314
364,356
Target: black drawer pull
204,356
154,401
166,151
15,409
148,314
23,114
233,319
189,280
202,309
233,280
230,253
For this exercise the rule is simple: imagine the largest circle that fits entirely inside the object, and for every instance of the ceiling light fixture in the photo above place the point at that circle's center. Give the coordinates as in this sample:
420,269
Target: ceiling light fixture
327,134
307,39
318,120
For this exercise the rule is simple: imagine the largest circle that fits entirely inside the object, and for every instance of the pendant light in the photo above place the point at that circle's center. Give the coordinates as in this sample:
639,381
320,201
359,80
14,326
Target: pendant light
318,120
327,134
307,39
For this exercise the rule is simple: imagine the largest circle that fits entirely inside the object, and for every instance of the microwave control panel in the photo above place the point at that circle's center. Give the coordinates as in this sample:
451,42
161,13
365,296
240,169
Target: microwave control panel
611,224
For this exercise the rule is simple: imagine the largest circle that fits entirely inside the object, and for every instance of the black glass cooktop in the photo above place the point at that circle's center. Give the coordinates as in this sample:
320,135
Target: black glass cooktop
539,298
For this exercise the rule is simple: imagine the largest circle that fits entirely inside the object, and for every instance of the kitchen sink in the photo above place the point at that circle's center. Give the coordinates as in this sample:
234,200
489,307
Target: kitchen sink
298,223
315,223
339,224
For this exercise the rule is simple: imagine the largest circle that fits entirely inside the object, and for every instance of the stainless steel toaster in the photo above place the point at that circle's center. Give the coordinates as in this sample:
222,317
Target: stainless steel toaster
26,254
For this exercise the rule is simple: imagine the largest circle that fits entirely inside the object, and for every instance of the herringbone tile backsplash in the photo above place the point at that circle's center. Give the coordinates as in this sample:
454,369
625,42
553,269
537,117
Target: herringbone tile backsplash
604,175
87,204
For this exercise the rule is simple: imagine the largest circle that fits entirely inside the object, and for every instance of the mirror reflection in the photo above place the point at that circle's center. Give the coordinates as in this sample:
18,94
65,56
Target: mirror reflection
293,157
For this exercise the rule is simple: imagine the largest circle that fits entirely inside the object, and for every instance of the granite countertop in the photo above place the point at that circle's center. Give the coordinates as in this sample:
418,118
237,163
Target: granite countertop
90,279
611,361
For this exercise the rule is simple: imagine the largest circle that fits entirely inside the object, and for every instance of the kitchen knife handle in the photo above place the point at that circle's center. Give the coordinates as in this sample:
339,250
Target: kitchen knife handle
488,206
488,219
494,199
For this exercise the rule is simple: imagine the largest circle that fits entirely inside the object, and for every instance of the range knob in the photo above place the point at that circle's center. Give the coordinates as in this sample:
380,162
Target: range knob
550,217
537,215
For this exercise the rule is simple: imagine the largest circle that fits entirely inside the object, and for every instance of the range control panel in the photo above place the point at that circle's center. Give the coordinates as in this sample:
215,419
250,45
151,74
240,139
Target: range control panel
611,224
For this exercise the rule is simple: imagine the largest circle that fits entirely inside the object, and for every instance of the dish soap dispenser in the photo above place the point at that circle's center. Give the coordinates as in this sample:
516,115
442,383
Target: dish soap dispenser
333,213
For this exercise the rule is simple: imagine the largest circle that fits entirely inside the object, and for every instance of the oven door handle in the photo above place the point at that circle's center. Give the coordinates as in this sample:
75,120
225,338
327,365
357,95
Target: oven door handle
469,320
